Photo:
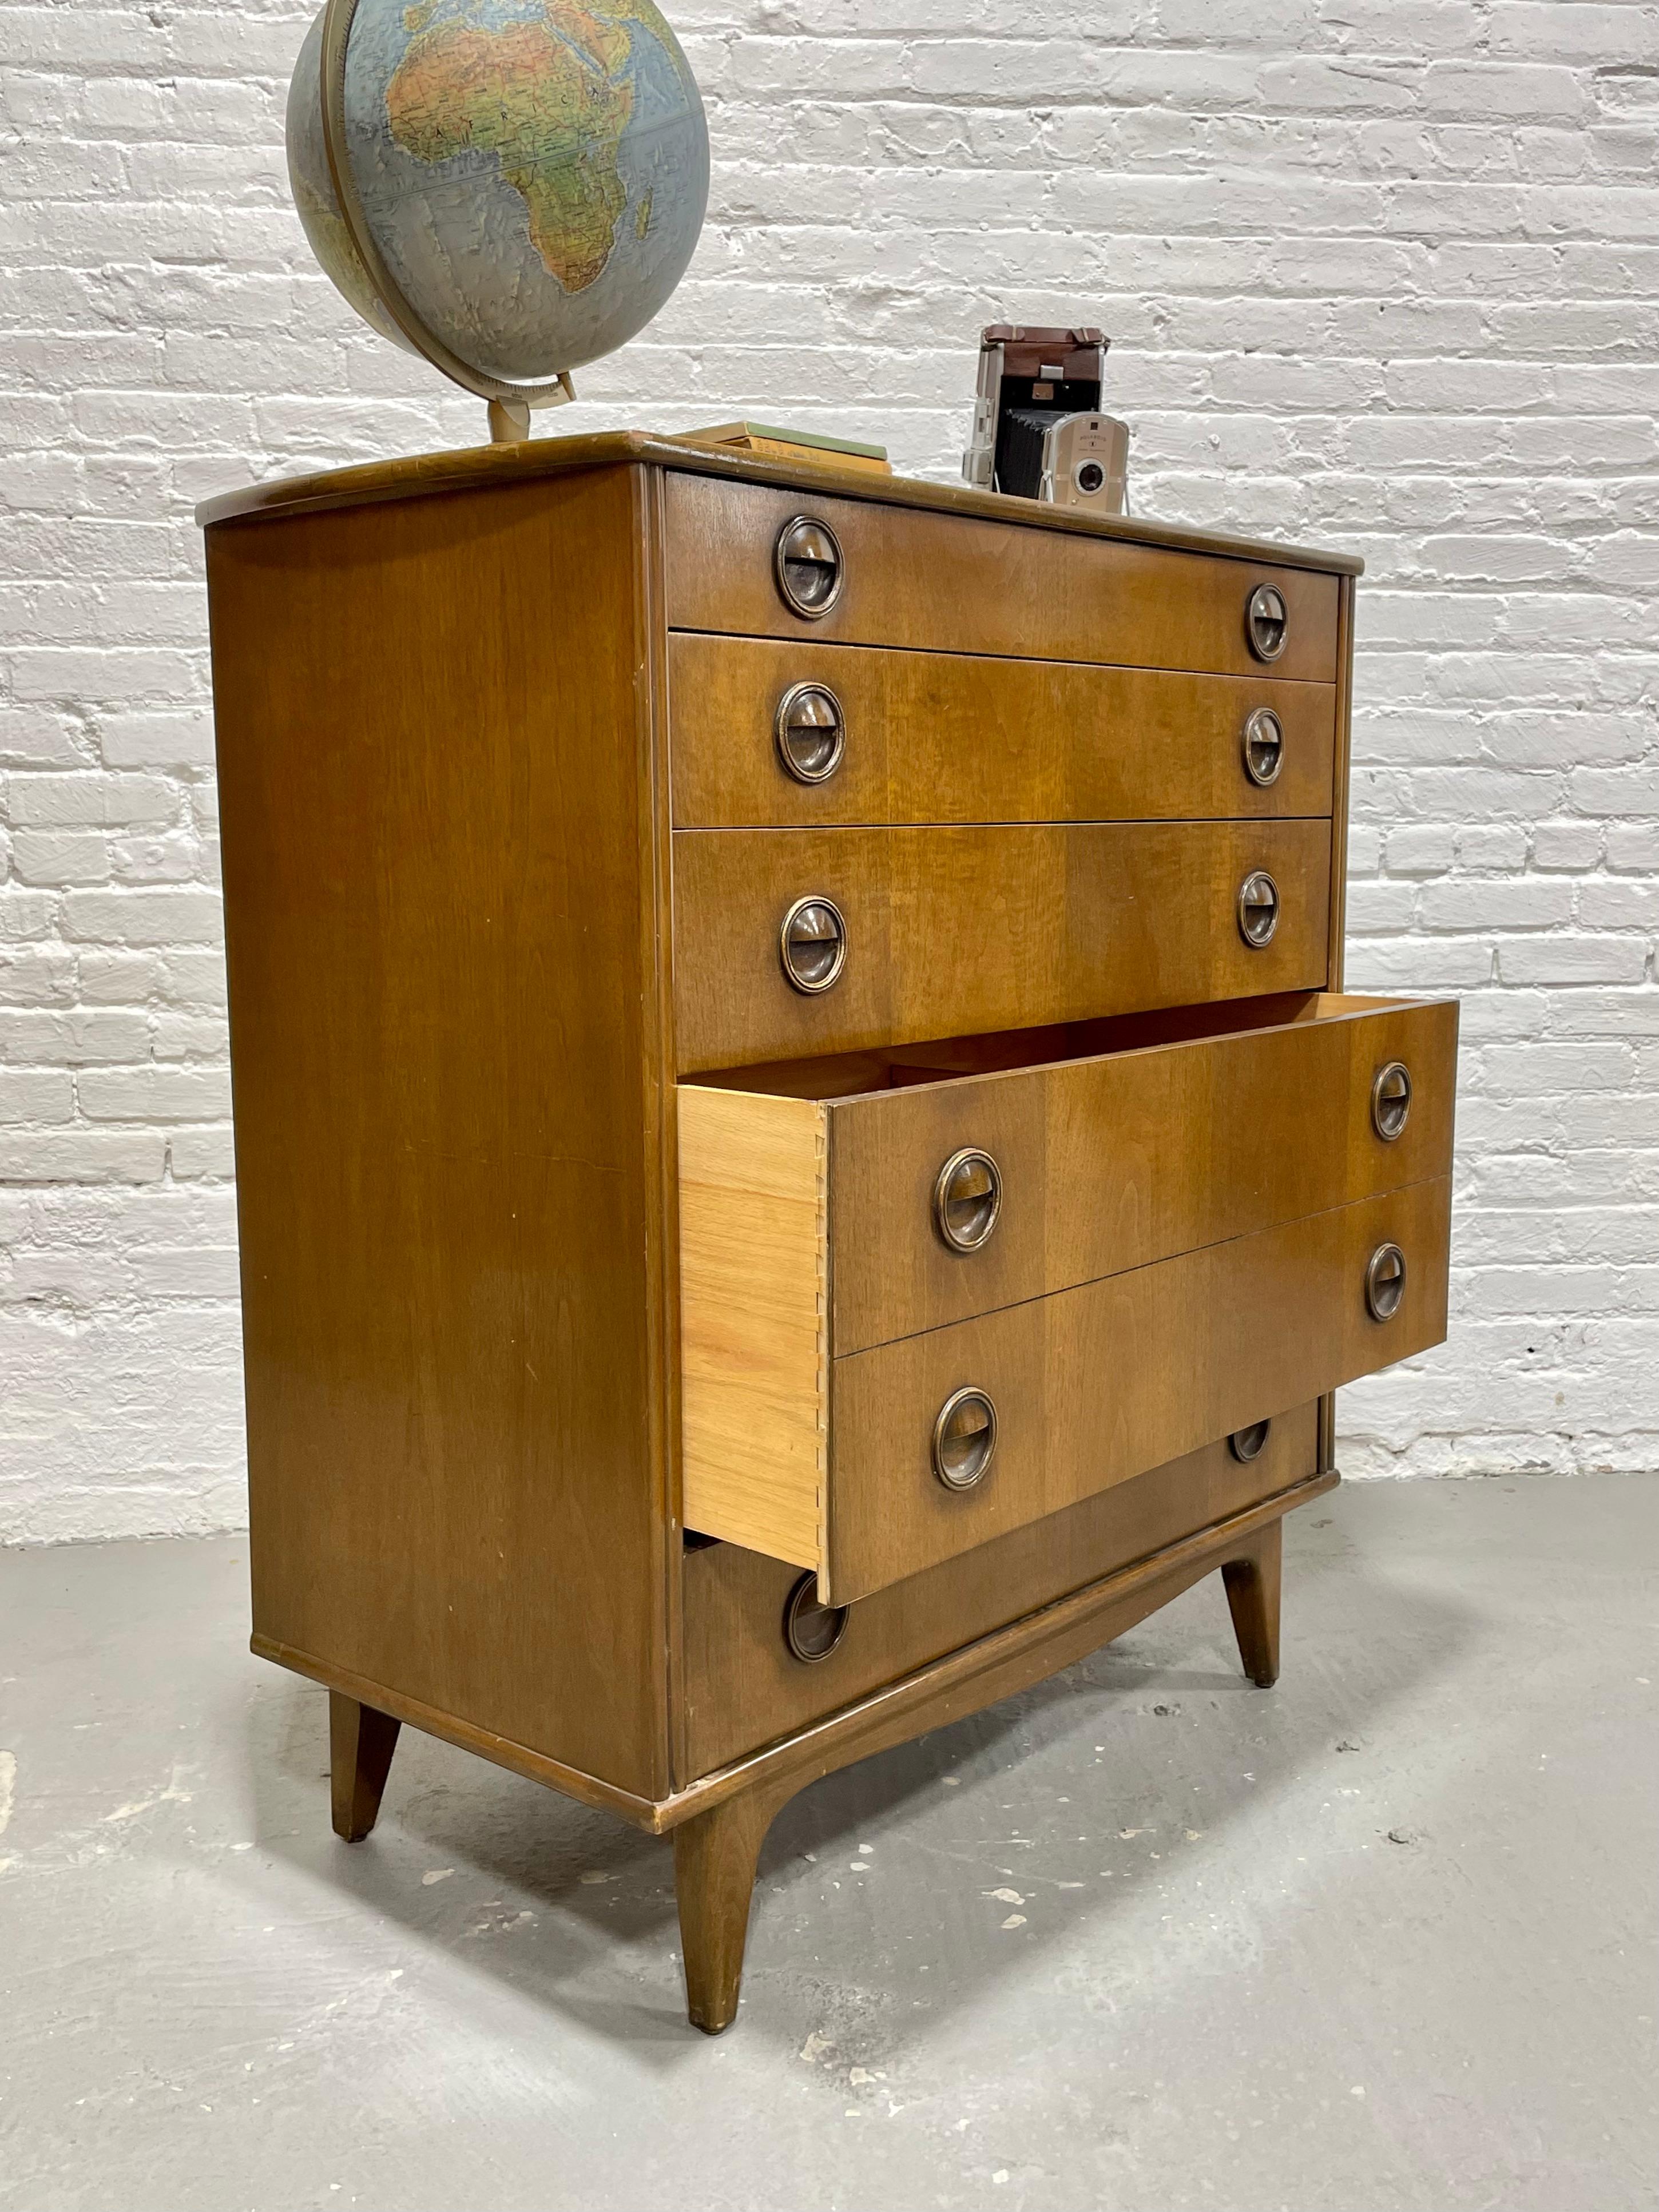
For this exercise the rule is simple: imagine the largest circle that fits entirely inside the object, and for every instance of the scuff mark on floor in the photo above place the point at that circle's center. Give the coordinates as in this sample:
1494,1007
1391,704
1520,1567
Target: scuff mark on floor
171,1795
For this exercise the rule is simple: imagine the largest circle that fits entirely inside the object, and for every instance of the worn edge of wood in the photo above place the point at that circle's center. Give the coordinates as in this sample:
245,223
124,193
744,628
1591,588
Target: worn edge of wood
427,475
965,1681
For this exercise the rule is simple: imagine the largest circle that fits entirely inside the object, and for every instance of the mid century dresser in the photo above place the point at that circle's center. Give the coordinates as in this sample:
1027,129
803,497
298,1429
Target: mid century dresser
802,1158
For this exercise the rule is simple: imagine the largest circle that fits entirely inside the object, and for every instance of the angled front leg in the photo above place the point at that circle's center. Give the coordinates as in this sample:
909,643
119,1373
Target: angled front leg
715,1855
1252,1582
361,1742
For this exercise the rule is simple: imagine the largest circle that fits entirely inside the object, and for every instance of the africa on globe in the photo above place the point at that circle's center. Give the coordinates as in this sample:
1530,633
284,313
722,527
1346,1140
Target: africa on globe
509,188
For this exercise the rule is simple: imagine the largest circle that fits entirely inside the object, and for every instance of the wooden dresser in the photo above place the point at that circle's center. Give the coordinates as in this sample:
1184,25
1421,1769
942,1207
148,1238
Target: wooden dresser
802,1160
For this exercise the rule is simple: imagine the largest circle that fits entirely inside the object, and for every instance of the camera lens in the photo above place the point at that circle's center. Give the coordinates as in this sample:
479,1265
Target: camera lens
1090,477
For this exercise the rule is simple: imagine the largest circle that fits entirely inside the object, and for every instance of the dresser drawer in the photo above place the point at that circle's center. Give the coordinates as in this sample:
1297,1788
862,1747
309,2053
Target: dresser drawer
1127,1147
944,583
744,1688
1090,1387
798,732
1096,1384
1170,1204
948,930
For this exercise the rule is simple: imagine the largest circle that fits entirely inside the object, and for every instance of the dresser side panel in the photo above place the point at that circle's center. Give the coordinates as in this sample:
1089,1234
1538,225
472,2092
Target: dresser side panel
435,764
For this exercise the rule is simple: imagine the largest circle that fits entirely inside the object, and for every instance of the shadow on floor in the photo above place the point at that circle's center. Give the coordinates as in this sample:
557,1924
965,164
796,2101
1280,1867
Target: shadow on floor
605,1951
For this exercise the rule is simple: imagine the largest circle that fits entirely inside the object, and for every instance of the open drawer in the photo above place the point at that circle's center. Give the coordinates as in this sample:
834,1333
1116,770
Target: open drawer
829,1209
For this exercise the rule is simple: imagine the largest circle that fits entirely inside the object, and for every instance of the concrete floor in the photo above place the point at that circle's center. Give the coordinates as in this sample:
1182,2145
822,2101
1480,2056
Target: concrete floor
1143,1938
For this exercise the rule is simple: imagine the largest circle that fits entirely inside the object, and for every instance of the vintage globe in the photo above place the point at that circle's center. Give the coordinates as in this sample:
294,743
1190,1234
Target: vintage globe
521,182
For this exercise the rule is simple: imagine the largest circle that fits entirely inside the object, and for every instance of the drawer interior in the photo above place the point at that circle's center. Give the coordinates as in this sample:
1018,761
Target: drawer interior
944,1060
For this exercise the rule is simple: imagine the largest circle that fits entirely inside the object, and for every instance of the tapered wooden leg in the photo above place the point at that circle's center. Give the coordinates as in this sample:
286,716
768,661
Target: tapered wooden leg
1252,1580
361,1742
715,1855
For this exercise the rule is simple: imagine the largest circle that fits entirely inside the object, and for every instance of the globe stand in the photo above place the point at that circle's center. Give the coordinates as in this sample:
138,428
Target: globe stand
509,421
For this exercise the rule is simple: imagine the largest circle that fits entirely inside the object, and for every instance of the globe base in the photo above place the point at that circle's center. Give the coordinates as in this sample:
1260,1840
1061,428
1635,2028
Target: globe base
509,421
509,411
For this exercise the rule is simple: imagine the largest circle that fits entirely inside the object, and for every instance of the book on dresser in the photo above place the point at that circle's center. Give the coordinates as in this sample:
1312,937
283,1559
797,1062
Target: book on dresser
803,1158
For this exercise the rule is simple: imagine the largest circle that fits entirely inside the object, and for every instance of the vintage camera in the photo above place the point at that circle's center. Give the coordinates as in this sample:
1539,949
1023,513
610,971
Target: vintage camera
1035,385
1085,463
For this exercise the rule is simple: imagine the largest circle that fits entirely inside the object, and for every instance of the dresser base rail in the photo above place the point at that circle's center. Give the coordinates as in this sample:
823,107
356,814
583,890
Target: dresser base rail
719,1821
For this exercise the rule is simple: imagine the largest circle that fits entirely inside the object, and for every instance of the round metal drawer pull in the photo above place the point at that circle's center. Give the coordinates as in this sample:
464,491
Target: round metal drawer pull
964,1439
1258,908
1391,1100
811,732
810,1630
1267,620
1264,746
1385,1282
809,567
967,1200
813,945
1245,1444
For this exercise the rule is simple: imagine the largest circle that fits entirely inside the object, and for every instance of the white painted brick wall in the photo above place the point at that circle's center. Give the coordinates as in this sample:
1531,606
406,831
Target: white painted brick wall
1382,273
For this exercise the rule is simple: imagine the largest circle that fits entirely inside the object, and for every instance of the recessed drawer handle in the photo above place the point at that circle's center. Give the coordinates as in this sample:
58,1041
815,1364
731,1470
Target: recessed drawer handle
1267,620
809,567
813,945
1246,1444
1264,746
811,732
964,1439
1258,908
1385,1282
967,1200
1391,1100
810,1630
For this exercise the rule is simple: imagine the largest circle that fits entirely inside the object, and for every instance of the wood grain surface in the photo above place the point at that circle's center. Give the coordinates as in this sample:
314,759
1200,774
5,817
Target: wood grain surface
1022,1649
1001,1665
743,1688
1096,1384
1109,1163
754,1320
538,460
952,583
447,865
440,876
935,736
954,930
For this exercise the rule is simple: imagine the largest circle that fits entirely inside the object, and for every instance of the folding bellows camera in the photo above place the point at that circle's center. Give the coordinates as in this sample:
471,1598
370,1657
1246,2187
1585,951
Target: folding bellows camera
1038,430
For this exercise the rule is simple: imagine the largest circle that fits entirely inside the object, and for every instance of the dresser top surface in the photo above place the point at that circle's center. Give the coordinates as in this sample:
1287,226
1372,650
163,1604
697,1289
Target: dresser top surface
427,475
